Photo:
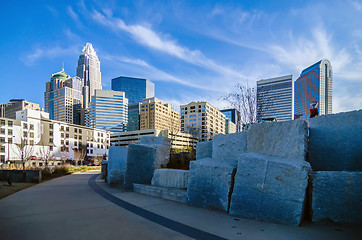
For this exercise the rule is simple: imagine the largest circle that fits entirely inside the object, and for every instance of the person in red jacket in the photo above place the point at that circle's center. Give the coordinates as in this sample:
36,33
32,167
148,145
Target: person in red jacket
313,109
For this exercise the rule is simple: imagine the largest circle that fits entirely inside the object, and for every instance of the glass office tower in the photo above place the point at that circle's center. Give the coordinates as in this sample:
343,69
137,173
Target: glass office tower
136,89
108,110
313,85
275,98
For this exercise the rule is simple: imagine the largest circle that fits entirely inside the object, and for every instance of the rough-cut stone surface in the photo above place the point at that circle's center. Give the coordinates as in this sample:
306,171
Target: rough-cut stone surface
335,142
117,161
285,139
337,196
203,150
270,188
174,178
209,184
149,140
228,147
142,160
174,194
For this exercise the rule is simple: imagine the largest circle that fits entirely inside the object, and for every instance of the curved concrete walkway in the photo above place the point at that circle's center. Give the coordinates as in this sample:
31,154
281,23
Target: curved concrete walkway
72,207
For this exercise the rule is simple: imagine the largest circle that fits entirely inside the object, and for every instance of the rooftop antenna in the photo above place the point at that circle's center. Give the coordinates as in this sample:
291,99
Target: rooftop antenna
63,67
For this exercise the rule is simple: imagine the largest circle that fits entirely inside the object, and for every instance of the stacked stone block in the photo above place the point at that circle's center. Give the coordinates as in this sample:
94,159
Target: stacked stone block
144,159
117,161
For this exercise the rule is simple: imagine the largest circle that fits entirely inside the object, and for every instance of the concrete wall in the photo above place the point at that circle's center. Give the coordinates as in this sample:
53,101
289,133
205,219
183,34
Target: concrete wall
33,176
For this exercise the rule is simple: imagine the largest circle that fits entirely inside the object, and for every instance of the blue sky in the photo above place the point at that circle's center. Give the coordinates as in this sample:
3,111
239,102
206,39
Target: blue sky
191,50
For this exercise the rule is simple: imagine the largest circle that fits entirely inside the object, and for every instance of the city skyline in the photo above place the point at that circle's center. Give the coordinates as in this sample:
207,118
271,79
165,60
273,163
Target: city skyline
198,58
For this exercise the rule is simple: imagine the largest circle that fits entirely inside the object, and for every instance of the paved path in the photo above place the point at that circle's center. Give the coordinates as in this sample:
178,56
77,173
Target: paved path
77,207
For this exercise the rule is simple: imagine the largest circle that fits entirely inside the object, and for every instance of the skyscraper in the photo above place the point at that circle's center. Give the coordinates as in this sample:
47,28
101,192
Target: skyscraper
234,116
89,70
108,110
313,85
275,98
136,89
63,98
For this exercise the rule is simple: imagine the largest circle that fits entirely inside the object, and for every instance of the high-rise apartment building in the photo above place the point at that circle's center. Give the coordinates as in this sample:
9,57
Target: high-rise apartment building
63,98
158,115
203,120
89,71
275,98
313,85
9,109
136,89
108,110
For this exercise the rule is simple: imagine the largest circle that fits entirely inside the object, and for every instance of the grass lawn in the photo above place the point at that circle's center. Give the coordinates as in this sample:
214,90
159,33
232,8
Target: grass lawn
6,190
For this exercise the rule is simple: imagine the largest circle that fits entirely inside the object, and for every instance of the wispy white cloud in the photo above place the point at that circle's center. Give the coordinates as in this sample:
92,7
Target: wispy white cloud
74,16
301,52
52,52
356,5
145,36
154,73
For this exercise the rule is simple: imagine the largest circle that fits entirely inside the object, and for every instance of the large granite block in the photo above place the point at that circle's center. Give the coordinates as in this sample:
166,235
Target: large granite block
335,142
210,184
142,160
117,161
270,188
151,140
337,196
228,147
204,150
174,178
285,139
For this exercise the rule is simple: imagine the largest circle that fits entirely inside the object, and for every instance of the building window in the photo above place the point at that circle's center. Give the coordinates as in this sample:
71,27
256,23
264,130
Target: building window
51,126
2,149
10,132
67,129
75,130
62,128
10,140
31,134
10,123
31,127
51,148
67,135
51,133
2,131
80,137
31,142
2,158
80,131
50,140
2,122
25,125
25,134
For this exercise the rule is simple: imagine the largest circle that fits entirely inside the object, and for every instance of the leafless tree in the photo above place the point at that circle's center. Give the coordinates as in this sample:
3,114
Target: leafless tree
25,150
46,155
80,154
243,100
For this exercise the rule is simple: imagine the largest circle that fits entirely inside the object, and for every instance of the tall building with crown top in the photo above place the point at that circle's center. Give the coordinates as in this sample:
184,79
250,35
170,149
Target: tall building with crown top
89,71
314,85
